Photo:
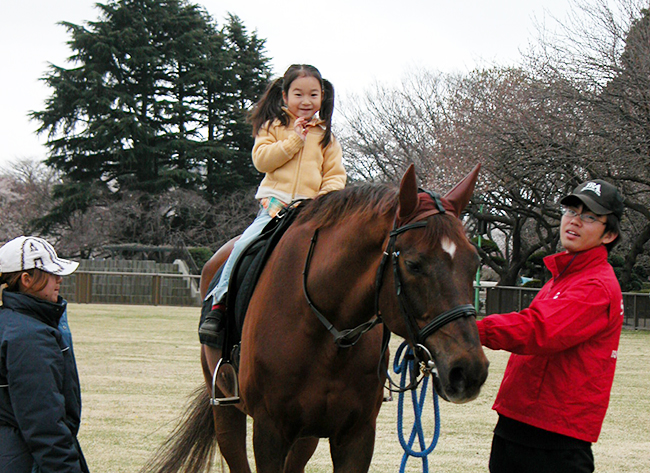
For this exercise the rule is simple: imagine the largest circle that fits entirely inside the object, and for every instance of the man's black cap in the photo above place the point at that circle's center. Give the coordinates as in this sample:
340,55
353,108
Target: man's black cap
599,196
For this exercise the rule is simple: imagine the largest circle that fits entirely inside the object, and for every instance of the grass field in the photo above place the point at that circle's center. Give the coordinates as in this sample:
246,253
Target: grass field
139,364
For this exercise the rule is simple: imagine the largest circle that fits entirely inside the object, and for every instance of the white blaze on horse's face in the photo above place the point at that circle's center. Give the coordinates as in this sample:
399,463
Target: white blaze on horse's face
448,246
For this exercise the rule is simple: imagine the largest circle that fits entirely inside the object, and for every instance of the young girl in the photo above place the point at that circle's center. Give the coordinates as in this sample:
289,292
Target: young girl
297,152
40,397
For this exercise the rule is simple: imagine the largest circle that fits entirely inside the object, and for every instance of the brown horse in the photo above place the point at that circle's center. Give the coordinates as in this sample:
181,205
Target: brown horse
310,356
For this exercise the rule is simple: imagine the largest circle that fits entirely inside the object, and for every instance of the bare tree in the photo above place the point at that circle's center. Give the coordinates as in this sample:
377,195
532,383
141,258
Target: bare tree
172,218
577,108
180,216
388,128
528,140
25,195
603,49
502,118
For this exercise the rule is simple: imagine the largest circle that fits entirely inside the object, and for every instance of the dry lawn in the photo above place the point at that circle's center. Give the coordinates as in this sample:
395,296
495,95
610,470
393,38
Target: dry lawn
138,365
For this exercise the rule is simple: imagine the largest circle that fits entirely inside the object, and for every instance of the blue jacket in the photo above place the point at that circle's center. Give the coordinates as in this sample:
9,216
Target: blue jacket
40,396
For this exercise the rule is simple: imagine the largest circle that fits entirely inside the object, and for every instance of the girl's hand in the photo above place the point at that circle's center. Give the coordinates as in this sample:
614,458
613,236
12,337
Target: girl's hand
301,127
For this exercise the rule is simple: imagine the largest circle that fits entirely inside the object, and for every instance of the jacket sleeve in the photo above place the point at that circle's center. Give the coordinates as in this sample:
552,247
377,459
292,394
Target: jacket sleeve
35,376
549,325
334,176
270,153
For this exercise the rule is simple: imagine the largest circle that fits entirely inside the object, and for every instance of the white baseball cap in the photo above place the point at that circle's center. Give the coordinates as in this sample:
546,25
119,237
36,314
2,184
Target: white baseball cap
23,253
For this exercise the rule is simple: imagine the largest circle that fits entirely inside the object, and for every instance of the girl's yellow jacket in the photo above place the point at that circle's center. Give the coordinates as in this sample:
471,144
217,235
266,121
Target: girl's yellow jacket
296,169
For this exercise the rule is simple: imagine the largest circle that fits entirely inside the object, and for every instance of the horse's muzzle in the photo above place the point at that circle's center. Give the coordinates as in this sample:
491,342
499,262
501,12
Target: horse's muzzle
460,380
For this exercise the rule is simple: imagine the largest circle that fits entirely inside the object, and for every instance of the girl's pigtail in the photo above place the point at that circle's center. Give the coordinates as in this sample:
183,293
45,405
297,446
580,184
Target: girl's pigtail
269,107
326,111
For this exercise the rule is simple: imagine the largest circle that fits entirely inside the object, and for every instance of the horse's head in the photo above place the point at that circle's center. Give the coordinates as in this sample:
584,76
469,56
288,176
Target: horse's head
434,266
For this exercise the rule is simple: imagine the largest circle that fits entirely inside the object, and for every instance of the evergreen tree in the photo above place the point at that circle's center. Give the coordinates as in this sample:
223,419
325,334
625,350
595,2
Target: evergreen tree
230,93
151,103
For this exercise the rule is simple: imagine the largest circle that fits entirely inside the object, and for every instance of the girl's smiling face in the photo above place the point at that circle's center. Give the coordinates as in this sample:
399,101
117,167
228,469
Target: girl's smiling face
577,235
304,97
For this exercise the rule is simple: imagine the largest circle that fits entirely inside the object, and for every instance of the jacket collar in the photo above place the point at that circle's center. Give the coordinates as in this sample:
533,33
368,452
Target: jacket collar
47,312
567,263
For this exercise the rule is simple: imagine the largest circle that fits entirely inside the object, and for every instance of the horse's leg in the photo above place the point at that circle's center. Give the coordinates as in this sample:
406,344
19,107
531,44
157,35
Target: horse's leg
229,422
352,452
300,454
270,448
230,426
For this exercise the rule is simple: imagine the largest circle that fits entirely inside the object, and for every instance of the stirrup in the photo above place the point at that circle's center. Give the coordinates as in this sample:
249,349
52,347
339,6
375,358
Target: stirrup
224,401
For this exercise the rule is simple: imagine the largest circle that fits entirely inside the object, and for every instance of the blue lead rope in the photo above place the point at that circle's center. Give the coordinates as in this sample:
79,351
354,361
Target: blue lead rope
404,363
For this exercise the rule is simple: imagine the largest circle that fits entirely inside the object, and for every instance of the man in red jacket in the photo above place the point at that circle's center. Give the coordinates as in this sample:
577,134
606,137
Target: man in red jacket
556,387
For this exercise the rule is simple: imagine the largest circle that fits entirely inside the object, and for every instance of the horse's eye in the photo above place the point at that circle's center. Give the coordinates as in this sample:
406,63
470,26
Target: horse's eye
413,267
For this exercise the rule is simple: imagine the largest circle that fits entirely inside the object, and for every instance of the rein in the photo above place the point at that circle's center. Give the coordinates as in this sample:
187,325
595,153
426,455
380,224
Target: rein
404,364
345,338
349,337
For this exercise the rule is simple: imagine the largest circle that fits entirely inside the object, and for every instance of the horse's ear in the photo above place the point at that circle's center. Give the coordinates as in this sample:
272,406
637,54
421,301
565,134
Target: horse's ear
459,196
408,194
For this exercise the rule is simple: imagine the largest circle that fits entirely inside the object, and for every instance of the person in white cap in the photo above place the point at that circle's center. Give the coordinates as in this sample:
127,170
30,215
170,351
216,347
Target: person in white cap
40,395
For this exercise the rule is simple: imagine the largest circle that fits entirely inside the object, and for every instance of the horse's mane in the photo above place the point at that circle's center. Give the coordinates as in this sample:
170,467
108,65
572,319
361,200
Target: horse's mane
365,202
362,201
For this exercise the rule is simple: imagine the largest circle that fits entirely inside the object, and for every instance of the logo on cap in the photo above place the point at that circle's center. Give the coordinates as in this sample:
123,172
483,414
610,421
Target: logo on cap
593,187
25,253
34,252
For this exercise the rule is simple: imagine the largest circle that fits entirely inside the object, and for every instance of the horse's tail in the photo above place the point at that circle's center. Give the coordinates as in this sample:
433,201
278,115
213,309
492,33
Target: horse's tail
191,445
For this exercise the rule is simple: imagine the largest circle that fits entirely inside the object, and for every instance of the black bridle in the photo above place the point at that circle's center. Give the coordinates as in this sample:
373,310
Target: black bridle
350,337
417,336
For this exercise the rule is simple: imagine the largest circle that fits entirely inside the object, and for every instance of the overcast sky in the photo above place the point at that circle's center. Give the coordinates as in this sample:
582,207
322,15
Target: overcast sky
354,43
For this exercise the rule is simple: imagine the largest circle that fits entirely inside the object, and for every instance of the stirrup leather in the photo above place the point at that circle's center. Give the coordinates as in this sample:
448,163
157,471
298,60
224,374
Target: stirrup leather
225,401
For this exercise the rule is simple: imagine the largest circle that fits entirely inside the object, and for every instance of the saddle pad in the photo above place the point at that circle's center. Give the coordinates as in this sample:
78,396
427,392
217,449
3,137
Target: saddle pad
244,277
249,266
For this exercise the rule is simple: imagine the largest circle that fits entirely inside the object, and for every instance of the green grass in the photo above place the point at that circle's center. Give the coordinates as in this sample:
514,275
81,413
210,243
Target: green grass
139,364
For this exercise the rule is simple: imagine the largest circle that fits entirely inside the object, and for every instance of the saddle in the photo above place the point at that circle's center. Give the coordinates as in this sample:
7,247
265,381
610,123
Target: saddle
246,272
